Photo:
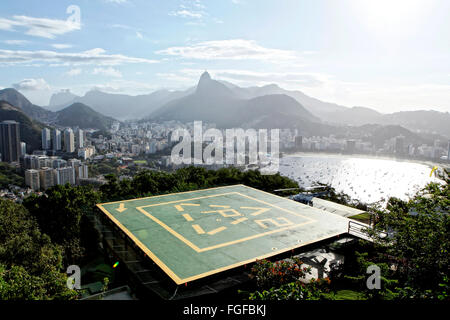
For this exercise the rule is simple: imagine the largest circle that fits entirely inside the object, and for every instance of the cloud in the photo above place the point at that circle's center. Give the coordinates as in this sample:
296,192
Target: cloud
31,85
234,49
196,3
139,35
61,46
184,13
96,56
190,9
16,42
110,72
194,11
40,27
74,72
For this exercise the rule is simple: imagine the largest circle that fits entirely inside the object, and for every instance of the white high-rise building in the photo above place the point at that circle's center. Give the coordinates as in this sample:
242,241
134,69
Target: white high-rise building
23,148
69,141
47,177
46,139
32,179
80,139
65,175
56,139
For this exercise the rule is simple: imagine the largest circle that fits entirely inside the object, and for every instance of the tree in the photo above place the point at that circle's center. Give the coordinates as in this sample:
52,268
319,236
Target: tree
59,214
418,242
30,264
284,280
147,183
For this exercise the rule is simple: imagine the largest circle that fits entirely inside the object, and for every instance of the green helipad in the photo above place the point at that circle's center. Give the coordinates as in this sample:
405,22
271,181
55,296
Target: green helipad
191,235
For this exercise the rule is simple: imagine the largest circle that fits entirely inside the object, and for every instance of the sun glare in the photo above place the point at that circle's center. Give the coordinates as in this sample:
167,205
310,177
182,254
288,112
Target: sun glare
390,16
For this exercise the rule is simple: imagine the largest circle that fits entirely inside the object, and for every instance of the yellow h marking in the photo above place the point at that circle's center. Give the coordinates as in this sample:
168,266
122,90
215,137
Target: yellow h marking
180,208
216,230
262,225
258,212
239,220
198,229
222,212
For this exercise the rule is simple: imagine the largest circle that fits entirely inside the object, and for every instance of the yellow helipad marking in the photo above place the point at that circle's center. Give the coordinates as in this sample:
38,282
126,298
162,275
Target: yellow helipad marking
262,225
239,220
218,206
258,212
121,208
188,217
282,227
222,212
217,230
198,229
179,207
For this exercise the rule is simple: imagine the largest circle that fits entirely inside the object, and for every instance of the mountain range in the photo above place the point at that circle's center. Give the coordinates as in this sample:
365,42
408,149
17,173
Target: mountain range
18,100
75,115
30,130
118,106
229,105
152,105
423,121
213,101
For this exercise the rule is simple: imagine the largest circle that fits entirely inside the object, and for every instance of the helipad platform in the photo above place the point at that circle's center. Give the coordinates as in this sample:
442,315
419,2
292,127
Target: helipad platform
191,235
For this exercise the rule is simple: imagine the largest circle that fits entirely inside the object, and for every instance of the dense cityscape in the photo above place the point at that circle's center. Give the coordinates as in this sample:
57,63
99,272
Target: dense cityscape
67,153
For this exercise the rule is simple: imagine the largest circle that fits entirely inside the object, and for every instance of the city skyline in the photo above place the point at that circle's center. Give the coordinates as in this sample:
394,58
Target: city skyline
389,57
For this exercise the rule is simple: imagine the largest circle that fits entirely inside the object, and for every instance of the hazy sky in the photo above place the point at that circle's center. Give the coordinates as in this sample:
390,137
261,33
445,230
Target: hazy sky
390,55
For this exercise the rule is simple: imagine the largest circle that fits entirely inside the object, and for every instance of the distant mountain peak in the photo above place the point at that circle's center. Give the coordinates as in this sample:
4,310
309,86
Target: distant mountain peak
83,116
62,98
205,76
205,79
206,85
18,100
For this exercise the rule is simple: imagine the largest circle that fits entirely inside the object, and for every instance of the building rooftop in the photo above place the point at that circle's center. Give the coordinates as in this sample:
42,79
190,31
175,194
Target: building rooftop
336,208
192,235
